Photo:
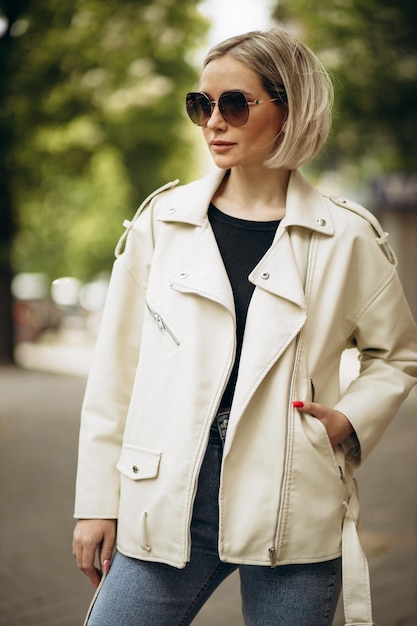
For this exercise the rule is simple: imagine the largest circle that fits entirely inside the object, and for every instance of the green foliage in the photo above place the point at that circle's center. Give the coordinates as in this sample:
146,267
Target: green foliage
370,46
95,103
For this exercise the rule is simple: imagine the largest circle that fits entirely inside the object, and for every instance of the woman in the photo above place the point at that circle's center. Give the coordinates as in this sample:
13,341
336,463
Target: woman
214,433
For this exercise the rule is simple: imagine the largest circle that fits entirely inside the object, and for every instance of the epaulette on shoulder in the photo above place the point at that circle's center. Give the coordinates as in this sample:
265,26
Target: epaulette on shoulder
382,236
128,224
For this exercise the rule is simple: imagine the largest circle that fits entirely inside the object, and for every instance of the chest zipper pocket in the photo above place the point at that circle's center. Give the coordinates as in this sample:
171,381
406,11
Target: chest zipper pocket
160,323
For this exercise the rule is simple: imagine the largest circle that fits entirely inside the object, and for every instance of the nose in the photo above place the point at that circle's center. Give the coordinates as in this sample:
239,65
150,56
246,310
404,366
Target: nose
216,119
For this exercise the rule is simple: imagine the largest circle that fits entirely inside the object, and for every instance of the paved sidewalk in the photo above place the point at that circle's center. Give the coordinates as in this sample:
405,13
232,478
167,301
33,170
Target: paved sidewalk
40,585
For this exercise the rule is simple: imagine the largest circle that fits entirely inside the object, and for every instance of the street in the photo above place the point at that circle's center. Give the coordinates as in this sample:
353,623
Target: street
40,584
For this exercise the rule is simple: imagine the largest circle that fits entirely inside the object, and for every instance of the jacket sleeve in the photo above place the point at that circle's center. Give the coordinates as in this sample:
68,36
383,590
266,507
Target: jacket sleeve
386,337
112,376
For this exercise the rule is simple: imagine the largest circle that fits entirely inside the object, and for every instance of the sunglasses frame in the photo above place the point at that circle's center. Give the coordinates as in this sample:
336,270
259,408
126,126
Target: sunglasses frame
191,97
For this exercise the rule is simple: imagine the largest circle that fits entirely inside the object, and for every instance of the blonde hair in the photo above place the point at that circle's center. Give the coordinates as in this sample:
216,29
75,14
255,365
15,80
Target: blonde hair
291,72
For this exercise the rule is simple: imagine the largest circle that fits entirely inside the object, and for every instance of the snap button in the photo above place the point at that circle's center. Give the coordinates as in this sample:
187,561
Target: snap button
321,221
265,275
183,275
342,200
135,469
171,210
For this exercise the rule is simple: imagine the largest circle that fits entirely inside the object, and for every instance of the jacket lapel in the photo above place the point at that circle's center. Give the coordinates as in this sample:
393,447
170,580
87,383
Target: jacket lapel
277,311
201,271
276,315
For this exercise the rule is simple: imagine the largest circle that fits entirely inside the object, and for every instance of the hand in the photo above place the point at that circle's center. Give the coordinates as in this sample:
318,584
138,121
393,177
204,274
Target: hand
91,537
336,423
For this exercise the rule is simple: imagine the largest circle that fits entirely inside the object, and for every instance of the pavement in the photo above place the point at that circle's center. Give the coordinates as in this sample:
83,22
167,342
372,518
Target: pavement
39,419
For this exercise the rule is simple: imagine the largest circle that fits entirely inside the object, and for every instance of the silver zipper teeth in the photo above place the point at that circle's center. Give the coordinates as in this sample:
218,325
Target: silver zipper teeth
313,390
161,324
272,551
342,476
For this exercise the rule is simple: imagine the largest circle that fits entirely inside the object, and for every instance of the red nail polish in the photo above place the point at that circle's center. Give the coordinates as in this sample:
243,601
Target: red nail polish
298,404
106,566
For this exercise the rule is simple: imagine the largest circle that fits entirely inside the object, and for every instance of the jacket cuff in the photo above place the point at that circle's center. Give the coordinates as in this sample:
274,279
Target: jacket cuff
352,449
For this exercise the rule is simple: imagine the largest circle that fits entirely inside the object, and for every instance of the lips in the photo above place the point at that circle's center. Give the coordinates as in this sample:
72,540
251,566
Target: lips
221,146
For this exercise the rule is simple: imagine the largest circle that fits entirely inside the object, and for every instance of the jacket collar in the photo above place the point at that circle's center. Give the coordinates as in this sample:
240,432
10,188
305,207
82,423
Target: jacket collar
306,207
189,203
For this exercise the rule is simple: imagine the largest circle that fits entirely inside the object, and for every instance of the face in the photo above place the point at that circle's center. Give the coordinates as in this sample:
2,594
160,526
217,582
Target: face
240,146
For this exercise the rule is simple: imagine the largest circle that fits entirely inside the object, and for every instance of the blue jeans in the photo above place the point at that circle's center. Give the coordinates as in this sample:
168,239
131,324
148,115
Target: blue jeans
142,593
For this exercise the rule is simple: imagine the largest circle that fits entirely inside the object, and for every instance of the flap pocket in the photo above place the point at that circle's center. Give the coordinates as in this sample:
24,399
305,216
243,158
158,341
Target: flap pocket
139,463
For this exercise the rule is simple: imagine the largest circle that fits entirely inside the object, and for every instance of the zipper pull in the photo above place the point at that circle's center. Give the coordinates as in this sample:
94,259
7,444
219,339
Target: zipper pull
159,321
272,556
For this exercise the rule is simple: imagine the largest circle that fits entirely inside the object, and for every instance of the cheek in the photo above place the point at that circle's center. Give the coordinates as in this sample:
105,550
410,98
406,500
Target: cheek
205,132
271,132
264,135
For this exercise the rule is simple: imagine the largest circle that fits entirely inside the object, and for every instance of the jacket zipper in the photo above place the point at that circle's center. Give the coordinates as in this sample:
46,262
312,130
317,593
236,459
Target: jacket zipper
313,395
162,325
342,476
272,550
201,456
313,390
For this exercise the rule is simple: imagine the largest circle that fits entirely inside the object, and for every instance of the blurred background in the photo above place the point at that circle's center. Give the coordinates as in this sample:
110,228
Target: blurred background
92,120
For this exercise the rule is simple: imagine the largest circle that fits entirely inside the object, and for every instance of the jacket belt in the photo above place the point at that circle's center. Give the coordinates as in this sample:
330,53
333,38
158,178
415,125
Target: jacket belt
356,585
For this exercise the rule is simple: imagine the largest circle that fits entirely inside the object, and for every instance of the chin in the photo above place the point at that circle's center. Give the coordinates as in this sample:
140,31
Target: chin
224,161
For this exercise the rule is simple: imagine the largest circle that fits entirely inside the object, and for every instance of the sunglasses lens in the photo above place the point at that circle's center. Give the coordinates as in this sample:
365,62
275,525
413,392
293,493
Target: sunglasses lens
198,108
234,108
232,105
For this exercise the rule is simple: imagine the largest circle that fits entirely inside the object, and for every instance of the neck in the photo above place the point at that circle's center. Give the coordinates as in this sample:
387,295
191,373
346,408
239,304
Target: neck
255,195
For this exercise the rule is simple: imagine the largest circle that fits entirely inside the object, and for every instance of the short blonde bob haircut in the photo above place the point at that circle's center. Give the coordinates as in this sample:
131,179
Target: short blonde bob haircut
291,72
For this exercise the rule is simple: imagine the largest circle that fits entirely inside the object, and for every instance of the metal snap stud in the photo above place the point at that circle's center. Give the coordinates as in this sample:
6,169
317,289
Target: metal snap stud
171,210
321,221
183,275
265,275
135,469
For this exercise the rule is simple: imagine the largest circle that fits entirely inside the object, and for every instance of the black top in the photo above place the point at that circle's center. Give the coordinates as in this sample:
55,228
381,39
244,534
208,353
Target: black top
242,244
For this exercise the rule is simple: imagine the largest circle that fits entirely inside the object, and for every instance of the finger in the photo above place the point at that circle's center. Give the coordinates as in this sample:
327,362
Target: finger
85,557
89,569
107,550
308,407
86,565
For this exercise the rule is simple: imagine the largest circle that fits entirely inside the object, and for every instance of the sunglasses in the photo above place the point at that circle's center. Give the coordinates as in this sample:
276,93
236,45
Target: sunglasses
233,106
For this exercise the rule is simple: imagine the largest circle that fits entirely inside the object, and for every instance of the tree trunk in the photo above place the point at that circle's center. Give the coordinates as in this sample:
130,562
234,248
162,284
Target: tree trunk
6,318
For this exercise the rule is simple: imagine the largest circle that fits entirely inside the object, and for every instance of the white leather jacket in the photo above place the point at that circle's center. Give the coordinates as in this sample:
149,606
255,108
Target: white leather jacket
164,354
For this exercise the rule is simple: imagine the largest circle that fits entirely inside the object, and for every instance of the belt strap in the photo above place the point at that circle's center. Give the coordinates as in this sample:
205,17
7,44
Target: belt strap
356,585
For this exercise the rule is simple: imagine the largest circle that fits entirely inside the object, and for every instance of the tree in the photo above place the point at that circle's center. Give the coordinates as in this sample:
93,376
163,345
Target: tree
370,46
7,139
91,121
